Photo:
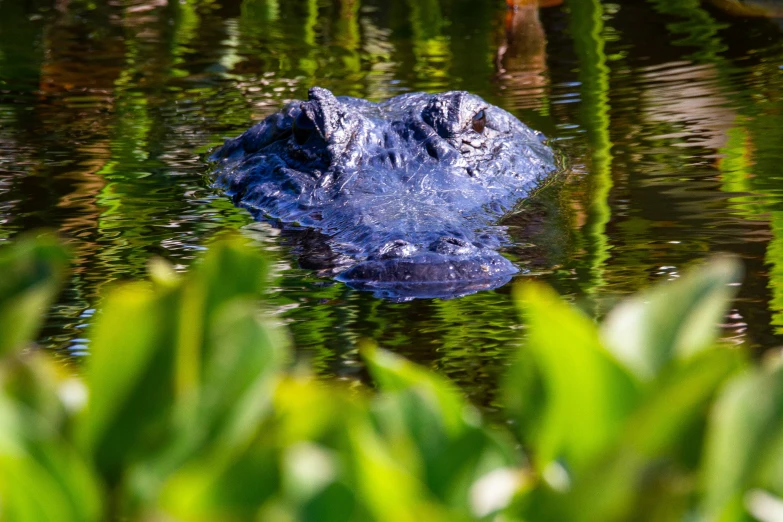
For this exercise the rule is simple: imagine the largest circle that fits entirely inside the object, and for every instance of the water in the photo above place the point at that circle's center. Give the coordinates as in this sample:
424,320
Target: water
669,111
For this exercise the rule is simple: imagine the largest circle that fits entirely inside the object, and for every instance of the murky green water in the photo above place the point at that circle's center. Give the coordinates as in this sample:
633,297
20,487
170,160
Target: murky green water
670,112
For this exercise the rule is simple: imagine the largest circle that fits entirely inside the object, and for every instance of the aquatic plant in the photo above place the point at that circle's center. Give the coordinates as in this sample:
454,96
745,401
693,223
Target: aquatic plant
190,407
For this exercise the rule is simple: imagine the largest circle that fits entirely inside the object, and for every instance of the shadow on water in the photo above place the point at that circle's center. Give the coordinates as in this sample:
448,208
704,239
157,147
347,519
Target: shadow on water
669,113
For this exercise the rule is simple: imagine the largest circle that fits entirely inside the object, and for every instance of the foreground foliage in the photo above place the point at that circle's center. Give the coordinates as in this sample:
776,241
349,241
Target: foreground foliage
189,409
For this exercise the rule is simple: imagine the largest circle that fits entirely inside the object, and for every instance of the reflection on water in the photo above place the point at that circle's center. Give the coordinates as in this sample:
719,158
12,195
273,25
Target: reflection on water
670,112
521,57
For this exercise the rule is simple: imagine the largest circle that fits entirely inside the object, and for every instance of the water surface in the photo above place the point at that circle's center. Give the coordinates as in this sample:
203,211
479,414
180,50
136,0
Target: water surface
670,112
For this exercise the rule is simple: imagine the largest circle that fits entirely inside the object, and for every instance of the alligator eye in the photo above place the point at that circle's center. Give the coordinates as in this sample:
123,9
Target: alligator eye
302,128
480,121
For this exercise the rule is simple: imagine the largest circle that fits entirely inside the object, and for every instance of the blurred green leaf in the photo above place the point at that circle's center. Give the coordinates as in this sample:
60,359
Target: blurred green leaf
31,272
36,459
230,271
130,378
43,388
421,411
245,356
582,395
233,399
650,444
215,486
31,491
744,446
314,424
264,471
681,395
394,373
390,492
671,321
174,364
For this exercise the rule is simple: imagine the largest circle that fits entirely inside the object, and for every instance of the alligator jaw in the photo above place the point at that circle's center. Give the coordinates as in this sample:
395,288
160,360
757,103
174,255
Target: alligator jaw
430,275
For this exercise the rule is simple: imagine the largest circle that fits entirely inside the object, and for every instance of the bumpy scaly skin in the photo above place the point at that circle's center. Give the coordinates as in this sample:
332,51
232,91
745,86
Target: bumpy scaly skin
408,190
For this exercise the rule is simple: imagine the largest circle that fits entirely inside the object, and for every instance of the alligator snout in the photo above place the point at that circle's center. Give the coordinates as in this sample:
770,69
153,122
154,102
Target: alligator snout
446,267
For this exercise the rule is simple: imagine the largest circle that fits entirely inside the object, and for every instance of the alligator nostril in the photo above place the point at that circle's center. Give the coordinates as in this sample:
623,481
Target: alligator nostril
452,246
396,248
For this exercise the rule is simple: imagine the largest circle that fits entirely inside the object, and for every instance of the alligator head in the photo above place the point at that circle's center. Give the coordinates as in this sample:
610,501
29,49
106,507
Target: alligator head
406,192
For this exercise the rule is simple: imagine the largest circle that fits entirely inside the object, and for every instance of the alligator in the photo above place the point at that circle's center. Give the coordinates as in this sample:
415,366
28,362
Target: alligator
407,194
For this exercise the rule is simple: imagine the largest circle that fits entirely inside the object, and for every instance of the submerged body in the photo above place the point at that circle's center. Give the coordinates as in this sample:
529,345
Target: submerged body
406,193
